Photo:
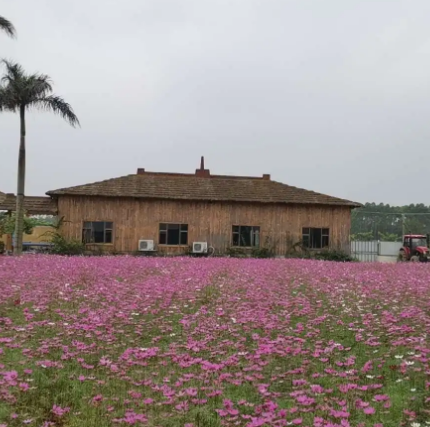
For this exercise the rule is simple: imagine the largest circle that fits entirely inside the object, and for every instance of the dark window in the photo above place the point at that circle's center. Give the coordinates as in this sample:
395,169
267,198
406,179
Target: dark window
316,238
173,234
246,235
97,232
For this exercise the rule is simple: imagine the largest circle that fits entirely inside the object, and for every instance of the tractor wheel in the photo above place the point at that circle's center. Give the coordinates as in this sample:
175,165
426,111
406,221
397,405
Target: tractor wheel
423,258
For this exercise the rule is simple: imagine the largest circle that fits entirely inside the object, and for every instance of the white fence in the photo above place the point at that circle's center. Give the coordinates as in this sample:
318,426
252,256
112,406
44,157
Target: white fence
389,248
375,251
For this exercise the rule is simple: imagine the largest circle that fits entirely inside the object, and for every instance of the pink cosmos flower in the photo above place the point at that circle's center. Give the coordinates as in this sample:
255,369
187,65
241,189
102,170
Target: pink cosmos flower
380,397
24,386
97,398
59,411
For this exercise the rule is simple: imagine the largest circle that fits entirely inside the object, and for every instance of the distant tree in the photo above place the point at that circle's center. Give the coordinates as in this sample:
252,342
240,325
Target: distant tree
8,223
362,237
18,93
389,237
390,221
7,27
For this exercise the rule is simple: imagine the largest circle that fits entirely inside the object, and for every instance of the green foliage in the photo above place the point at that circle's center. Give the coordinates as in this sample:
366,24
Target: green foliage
7,224
19,90
262,253
385,222
369,236
333,255
389,237
297,250
63,246
267,250
363,237
236,252
7,27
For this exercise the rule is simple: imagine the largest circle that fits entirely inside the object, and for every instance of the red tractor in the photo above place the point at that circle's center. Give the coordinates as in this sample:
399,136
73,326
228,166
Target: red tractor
415,248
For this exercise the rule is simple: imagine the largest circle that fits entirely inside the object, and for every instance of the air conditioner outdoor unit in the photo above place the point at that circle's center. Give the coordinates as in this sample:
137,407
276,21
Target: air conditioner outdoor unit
200,247
146,245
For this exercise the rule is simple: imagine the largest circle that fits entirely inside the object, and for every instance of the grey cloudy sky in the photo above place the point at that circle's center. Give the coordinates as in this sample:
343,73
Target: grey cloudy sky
332,96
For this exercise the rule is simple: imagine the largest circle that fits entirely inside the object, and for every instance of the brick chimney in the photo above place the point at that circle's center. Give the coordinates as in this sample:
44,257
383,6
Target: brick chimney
202,172
266,176
141,171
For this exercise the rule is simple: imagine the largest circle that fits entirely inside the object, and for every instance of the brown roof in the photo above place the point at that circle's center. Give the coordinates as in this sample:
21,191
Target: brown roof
32,204
201,186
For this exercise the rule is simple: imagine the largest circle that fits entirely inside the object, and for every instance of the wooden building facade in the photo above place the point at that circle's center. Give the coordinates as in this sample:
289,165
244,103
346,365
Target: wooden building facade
175,210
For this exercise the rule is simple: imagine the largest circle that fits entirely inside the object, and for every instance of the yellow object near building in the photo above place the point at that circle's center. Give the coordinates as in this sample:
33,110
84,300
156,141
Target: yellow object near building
40,235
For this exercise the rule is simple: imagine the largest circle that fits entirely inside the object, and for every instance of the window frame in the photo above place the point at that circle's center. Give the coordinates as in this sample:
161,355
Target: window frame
163,229
91,229
255,236
310,239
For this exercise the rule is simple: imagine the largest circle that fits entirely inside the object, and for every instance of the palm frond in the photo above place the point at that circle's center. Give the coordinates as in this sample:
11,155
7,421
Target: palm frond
58,106
18,89
37,86
7,27
14,71
23,88
7,100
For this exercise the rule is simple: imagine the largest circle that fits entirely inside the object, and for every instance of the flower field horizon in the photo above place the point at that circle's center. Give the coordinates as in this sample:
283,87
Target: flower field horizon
163,342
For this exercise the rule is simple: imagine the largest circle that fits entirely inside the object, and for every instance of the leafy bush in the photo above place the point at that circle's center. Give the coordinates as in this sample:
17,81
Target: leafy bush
63,246
298,250
59,244
7,224
334,255
236,252
262,253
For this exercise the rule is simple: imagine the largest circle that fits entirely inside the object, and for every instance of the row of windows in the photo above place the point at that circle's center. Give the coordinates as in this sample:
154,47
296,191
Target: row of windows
177,234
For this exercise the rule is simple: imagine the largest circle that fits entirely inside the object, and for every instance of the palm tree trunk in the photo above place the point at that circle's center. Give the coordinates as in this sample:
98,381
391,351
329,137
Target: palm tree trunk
19,226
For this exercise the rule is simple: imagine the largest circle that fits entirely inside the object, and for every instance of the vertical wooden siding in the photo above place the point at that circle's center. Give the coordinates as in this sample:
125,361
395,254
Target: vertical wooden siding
280,225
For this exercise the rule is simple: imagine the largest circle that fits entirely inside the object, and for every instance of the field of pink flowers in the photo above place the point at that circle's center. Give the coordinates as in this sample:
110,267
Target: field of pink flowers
213,342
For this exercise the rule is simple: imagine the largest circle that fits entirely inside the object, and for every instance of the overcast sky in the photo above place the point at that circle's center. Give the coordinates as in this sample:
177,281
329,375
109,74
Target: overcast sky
331,96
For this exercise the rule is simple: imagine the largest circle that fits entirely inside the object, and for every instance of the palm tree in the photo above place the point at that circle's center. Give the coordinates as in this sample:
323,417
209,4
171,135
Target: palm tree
7,27
19,92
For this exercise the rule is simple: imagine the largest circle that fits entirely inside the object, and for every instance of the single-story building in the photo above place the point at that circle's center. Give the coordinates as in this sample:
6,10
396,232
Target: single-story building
168,212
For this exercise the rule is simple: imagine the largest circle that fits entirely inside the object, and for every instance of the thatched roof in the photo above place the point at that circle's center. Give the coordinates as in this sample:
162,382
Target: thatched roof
33,205
201,186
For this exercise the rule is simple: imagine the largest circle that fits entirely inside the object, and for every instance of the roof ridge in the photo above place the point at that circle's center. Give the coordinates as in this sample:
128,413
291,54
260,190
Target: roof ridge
180,174
223,188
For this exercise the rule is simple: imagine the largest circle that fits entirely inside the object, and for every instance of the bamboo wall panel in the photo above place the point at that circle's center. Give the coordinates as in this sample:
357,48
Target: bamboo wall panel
135,219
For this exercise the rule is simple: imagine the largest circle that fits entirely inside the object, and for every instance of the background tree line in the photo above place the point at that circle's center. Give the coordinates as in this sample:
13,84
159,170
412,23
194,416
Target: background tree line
389,223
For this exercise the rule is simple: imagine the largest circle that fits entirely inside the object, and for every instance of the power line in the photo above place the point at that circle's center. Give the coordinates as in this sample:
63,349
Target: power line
390,213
